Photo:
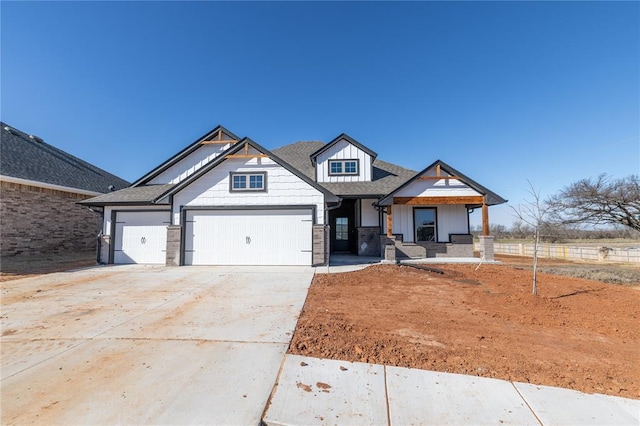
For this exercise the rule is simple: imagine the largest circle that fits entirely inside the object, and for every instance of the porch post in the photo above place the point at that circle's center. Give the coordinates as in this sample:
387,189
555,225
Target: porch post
390,220
485,219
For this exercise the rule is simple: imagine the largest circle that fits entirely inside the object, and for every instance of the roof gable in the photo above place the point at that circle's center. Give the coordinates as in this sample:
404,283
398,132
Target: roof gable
342,137
28,157
438,166
217,136
247,143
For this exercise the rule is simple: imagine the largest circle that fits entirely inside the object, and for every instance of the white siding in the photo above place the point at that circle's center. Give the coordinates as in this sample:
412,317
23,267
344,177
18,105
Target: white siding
106,225
436,188
283,188
343,150
369,215
450,219
189,165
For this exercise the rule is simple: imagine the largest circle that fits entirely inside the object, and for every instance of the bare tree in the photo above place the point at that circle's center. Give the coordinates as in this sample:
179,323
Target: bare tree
533,213
599,201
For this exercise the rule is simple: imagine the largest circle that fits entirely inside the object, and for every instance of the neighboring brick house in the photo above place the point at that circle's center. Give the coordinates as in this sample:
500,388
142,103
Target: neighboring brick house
40,186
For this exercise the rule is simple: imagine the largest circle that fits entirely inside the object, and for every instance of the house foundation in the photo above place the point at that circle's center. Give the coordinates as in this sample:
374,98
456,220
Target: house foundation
369,241
461,245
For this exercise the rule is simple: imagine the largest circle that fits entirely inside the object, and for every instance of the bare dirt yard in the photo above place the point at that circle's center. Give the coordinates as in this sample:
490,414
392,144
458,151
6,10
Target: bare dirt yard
16,267
577,333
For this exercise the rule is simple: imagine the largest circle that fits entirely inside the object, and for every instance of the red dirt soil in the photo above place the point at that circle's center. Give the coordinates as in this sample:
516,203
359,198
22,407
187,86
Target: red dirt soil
576,334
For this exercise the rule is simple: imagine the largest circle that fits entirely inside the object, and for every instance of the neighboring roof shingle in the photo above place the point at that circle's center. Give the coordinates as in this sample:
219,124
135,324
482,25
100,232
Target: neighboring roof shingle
146,194
386,176
28,157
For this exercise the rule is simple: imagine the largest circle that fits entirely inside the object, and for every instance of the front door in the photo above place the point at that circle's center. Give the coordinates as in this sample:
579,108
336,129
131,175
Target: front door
342,234
343,228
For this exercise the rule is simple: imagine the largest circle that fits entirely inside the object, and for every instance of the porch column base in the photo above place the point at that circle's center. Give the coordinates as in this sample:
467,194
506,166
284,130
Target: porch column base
105,245
174,235
320,253
486,248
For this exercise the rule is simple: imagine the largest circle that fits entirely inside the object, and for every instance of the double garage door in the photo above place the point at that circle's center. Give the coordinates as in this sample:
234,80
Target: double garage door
248,237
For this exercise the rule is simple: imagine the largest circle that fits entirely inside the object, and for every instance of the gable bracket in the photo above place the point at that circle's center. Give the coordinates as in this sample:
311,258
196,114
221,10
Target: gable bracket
246,154
219,141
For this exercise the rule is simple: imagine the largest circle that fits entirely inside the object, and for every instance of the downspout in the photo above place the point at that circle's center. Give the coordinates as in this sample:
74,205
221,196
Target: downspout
99,237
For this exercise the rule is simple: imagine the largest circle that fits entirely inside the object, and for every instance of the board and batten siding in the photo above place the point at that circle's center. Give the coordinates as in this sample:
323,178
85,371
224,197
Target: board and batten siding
189,165
437,188
368,214
343,150
450,219
106,228
283,189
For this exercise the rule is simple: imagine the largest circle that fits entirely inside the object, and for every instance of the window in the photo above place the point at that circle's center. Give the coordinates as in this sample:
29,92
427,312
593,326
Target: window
248,182
425,224
343,167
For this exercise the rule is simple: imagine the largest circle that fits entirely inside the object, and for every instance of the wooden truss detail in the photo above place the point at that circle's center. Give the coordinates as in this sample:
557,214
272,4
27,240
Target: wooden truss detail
246,154
218,140
438,175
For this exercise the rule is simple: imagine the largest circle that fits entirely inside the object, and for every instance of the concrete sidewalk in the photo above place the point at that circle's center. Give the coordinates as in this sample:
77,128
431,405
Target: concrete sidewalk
322,391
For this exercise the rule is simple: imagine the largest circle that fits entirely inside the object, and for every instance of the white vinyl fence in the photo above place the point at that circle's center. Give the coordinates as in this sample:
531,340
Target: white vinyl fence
567,252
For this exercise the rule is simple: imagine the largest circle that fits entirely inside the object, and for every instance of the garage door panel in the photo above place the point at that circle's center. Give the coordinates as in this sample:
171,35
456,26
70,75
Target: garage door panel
247,237
141,237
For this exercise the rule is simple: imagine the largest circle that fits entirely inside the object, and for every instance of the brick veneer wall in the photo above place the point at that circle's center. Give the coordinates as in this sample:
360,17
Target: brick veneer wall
174,234
320,248
36,220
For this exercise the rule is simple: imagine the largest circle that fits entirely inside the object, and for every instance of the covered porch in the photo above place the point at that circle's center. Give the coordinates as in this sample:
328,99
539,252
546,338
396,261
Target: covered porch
428,216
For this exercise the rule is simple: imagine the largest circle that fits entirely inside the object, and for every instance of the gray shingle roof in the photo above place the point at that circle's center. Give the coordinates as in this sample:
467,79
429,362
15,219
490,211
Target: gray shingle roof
386,176
140,195
28,157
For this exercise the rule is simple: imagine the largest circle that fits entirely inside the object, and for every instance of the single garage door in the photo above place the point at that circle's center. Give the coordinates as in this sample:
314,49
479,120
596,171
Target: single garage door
248,237
141,237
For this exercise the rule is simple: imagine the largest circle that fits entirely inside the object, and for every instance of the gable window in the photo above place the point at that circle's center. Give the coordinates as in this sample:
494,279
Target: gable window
424,220
248,182
343,167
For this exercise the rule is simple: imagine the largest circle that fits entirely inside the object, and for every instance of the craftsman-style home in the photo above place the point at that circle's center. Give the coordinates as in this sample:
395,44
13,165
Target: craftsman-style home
226,200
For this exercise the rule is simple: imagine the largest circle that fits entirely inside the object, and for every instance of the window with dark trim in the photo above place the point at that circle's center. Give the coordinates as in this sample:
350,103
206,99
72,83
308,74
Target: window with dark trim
424,220
343,167
248,182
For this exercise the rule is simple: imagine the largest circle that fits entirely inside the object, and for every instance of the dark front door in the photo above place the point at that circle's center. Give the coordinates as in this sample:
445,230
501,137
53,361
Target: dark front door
342,234
343,228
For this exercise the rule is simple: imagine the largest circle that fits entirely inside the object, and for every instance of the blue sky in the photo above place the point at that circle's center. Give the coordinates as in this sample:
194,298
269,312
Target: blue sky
502,91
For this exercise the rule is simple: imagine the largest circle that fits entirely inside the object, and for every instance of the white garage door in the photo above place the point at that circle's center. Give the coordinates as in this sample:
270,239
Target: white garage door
248,237
141,237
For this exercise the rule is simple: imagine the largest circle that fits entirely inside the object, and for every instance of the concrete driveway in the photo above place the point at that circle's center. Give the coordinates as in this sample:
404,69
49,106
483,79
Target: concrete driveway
139,344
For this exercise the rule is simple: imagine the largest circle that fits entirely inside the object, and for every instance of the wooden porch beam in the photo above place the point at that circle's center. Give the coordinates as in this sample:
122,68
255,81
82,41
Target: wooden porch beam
485,219
413,201
219,142
247,156
438,177
390,221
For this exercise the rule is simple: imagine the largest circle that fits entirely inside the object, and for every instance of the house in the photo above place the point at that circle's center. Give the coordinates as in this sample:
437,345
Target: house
226,200
40,187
